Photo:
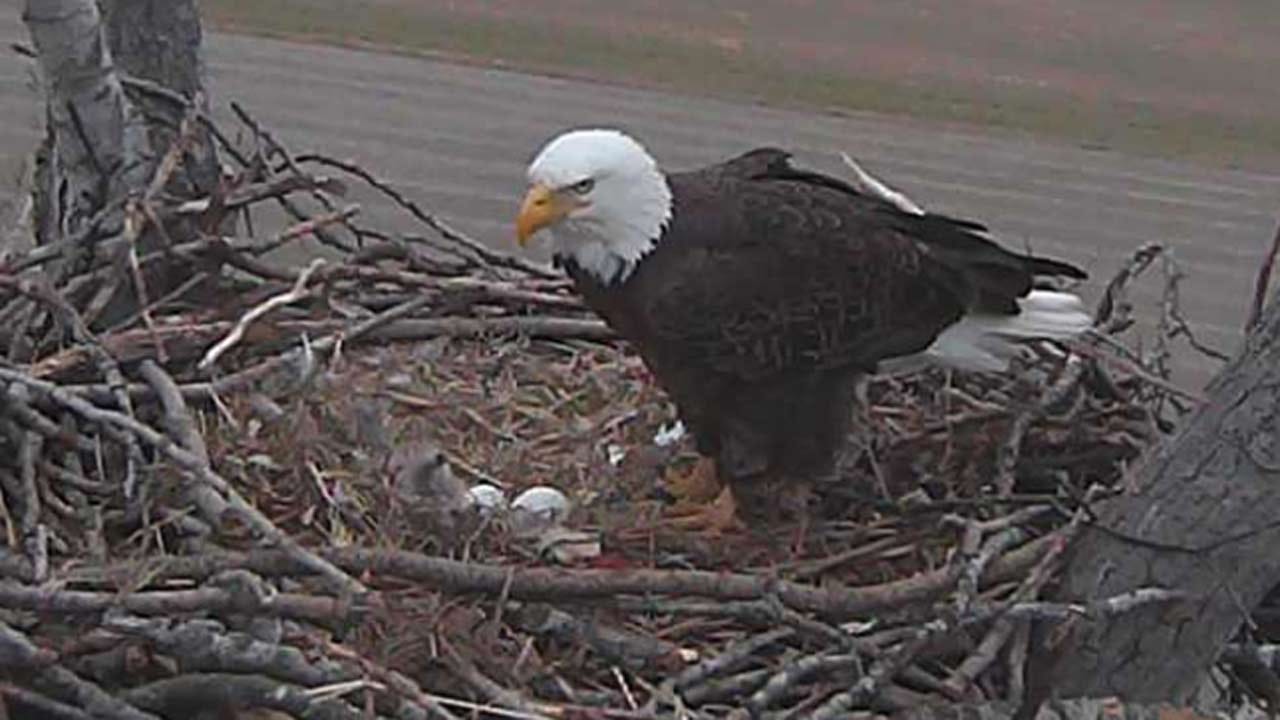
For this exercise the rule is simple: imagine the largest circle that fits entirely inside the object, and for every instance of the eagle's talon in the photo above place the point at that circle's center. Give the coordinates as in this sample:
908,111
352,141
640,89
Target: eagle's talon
718,517
698,485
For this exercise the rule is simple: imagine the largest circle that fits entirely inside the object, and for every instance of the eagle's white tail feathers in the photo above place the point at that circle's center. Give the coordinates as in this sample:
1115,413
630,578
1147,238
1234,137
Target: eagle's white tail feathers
989,342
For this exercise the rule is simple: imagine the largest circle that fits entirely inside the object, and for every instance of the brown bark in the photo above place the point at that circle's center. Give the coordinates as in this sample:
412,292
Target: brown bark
1203,517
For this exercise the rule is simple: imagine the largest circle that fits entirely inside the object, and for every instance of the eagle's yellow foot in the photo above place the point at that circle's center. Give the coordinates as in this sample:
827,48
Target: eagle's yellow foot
717,517
696,486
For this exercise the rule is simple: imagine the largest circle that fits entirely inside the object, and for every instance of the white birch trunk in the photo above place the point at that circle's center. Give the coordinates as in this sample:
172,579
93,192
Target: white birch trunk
96,148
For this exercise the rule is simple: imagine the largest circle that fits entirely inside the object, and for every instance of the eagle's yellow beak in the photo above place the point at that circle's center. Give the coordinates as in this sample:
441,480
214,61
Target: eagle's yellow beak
542,207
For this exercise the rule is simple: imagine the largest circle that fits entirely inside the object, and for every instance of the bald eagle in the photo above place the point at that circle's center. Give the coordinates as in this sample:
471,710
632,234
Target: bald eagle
757,293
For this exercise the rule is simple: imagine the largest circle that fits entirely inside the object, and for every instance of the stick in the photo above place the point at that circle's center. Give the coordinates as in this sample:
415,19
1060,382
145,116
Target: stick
298,292
20,655
176,415
795,672
318,609
489,255
185,694
196,469
109,367
833,603
1262,282
321,235
398,682
47,707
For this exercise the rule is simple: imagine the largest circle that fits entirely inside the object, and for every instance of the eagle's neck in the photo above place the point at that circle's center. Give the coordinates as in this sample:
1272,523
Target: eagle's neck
627,220
599,264
612,301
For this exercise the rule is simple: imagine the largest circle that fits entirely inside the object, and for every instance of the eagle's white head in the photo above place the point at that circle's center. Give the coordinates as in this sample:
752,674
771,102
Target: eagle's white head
601,198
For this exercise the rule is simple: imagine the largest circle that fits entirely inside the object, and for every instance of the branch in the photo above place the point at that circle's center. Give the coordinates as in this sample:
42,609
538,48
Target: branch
318,609
193,693
484,252
196,468
555,584
1261,283
297,293
20,656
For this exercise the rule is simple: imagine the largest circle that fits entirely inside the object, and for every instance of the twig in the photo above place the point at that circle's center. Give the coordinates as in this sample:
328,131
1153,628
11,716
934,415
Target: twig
967,586
1011,449
732,658
632,650
882,671
107,364
55,250
495,693
298,292
556,584
488,289
132,228
1004,627
1019,649
795,672
1142,373
728,689
397,682
206,646
193,466
257,192
1106,607
1113,310
1171,311
48,708
1262,282
189,693
20,655
182,427
489,255
312,608
886,668
15,404
321,235
35,540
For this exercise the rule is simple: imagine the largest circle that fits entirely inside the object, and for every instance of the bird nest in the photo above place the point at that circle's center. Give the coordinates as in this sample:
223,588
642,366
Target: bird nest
258,491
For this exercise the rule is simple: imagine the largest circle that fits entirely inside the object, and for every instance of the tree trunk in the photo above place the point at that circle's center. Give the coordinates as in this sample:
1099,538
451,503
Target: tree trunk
1203,517
118,87
160,41
96,148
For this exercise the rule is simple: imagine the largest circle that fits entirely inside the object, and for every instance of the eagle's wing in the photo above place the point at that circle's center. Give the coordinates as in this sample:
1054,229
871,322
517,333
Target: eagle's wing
787,270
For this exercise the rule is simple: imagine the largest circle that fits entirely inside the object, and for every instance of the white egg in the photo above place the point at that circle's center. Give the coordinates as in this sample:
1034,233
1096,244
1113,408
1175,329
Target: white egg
487,498
543,502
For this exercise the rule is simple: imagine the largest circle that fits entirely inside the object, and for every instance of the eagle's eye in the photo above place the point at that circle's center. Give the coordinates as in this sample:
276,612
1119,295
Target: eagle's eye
582,187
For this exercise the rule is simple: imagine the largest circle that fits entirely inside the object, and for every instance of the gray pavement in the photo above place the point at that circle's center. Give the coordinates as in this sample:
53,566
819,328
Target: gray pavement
457,139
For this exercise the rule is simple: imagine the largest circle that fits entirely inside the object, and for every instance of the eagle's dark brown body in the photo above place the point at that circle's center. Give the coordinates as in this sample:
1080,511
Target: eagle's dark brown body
773,288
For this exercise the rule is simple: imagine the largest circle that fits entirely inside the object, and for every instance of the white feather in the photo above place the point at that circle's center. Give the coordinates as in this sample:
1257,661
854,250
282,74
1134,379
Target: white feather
873,186
988,343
